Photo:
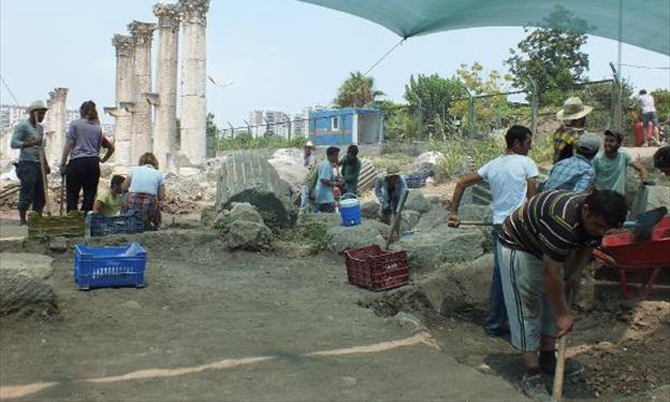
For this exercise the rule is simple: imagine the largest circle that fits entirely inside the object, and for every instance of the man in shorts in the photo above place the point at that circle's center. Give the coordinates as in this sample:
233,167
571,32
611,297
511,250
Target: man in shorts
552,232
646,102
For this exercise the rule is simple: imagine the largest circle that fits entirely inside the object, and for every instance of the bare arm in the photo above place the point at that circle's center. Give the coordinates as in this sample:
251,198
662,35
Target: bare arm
574,266
110,149
161,192
125,186
644,175
531,188
554,288
464,183
97,206
66,152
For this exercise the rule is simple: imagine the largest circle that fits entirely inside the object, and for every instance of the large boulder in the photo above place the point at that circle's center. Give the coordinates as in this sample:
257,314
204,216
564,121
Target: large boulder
459,287
288,163
417,202
427,161
370,209
247,235
239,211
25,287
247,177
409,220
342,238
658,196
431,248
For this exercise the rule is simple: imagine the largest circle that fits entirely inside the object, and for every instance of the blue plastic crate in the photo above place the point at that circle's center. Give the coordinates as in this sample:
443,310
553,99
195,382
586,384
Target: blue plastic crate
104,267
128,223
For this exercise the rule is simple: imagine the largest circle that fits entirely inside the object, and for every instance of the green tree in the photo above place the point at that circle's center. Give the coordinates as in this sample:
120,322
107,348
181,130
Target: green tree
662,104
430,97
551,56
212,133
357,91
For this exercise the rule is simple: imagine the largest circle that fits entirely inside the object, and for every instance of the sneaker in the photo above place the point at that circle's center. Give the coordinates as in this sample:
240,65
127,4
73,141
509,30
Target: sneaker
572,368
534,388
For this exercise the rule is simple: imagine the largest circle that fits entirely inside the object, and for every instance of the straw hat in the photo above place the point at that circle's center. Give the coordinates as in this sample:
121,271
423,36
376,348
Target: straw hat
393,170
573,109
309,144
37,105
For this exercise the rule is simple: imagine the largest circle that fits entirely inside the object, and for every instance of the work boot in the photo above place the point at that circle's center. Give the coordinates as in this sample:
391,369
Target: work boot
572,368
533,387
22,217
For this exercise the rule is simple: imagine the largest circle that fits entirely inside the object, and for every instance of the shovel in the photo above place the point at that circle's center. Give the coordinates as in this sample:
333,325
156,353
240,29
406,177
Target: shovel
557,392
397,219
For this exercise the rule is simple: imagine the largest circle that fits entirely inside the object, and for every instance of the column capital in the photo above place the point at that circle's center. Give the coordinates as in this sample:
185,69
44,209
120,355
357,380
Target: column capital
194,11
124,44
142,32
168,15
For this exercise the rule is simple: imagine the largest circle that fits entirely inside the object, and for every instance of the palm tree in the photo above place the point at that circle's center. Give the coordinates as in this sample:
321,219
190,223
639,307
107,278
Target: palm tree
357,91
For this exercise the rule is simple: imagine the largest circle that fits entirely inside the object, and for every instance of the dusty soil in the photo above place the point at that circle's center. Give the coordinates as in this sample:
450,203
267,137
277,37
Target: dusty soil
213,325
623,344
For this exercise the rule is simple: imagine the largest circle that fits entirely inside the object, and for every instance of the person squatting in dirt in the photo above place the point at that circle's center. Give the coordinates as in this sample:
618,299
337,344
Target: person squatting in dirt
512,178
543,247
389,188
145,191
28,137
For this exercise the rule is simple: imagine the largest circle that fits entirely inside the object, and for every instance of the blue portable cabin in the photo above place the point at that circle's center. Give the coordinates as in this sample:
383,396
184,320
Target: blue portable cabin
346,126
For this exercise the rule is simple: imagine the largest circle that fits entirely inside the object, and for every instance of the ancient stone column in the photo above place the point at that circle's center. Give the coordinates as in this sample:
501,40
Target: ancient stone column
125,77
193,139
142,141
49,131
165,100
59,106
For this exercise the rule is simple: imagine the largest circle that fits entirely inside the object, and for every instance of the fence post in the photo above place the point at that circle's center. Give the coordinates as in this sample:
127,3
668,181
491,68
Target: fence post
617,107
534,104
471,115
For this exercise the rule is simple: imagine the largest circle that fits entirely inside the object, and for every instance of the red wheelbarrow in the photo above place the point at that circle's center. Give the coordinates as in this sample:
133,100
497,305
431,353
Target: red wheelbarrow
623,252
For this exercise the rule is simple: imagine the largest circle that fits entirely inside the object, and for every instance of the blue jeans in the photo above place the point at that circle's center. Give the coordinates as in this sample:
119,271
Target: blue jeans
496,322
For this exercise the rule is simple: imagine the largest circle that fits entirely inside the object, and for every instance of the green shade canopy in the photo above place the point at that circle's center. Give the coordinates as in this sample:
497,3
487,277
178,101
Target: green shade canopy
645,23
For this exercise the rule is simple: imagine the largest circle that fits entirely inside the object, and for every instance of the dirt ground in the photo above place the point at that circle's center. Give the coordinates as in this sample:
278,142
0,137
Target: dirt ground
213,325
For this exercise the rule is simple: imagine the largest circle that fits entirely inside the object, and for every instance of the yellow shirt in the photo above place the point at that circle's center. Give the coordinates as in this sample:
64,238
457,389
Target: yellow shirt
110,204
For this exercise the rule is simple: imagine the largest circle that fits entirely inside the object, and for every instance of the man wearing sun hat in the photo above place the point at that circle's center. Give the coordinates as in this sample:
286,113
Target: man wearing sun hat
389,189
28,137
573,120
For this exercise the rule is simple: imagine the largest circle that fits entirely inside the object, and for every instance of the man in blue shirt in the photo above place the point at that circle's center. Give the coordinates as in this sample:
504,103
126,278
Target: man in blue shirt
576,173
326,181
28,137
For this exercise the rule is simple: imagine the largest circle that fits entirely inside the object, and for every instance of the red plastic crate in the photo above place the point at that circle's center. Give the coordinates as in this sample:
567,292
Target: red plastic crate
375,269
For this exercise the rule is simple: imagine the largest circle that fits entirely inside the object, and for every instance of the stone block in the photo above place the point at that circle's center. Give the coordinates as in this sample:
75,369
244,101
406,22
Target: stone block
26,287
417,202
370,209
246,176
342,238
431,248
247,235
459,287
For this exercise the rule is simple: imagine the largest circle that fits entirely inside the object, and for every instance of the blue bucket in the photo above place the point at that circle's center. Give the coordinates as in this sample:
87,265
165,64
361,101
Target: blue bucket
350,210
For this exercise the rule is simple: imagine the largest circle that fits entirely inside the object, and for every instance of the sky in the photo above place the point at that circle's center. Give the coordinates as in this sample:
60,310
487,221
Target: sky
279,54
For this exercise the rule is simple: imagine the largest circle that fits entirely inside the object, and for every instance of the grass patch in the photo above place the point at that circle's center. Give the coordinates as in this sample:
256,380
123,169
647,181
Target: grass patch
309,237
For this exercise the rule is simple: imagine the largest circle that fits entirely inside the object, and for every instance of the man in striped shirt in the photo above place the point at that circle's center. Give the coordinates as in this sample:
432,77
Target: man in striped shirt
551,231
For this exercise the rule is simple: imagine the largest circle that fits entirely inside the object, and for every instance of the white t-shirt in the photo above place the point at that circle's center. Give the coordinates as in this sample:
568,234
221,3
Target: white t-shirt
507,176
647,103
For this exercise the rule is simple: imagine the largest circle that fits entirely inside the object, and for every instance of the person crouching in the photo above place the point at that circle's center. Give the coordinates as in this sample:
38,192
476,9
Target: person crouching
145,191
108,202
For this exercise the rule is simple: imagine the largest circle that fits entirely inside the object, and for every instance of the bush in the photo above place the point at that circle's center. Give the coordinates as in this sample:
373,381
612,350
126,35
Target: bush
269,141
310,234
